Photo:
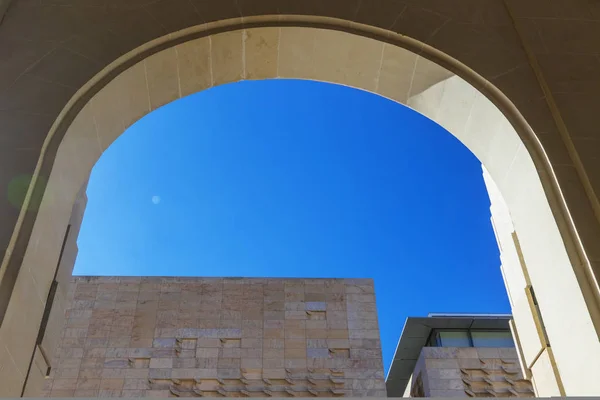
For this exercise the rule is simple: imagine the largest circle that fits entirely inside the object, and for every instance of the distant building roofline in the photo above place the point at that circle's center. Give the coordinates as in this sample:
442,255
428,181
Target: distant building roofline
414,337
467,315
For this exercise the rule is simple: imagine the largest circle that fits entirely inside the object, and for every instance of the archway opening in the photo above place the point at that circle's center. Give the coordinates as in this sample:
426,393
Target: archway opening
474,111
284,178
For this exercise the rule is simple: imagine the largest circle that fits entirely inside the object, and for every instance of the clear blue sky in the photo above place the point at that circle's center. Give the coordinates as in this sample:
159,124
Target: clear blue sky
285,178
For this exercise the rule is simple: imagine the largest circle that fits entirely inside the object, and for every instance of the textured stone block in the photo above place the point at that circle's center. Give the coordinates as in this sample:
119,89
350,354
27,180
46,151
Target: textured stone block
66,373
116,363
295,343
163,343
64,384
360,298
274,343
338,343
275,373
316,324
136,384
132,393
234,352
85,393
251,342
317,333
362,324
88,384
229,373
273,353
295,306
68,363
337,324
116,352
252,324
274,315
317,353
251,363
157,373
90,373
315,297
274,333
296,315
185,363
365,353
119,341
164,352
443,363
364,334
137,373
275,305
229,363
484,352
316,343
337,334
70,352
108,373
112,384
295,363
294,324
469,363
273,363
207,352
208,342
161,363
109,393
253,314
316,306
295,353
251,353
295,333
438,374
62,393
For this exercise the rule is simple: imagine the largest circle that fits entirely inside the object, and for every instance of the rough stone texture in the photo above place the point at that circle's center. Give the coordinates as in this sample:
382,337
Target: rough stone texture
469,372
166,337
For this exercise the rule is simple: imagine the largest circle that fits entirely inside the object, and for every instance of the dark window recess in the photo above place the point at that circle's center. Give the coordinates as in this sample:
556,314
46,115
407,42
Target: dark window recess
470,338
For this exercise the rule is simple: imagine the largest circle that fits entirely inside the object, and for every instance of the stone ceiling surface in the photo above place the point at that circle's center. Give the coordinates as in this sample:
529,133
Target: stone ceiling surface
543,54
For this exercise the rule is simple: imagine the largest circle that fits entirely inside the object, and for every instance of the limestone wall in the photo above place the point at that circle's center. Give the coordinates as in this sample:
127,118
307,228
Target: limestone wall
190,337
529,332
470,372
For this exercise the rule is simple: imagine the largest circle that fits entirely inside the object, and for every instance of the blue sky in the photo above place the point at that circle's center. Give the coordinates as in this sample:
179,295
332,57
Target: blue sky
288,178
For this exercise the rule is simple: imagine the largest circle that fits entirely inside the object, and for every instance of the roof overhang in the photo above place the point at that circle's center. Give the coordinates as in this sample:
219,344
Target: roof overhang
414,336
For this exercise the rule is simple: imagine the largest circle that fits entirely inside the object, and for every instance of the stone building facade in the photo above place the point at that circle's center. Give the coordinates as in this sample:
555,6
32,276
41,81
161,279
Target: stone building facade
191,337
468,372
460,356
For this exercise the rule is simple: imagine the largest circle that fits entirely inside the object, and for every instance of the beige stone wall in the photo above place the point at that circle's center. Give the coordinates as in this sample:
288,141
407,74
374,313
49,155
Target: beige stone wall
168,337
471,372
52,332
536,358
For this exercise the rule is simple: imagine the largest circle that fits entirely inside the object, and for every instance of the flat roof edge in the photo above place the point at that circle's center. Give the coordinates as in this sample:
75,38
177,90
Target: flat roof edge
466,315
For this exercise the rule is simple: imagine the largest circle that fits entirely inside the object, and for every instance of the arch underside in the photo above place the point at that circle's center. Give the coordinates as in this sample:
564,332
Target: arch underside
474,111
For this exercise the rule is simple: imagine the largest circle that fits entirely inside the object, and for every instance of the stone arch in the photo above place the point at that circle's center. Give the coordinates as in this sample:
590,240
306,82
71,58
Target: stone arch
390,65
